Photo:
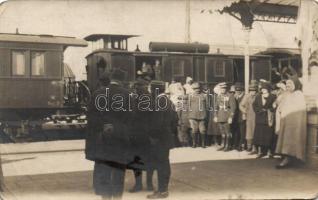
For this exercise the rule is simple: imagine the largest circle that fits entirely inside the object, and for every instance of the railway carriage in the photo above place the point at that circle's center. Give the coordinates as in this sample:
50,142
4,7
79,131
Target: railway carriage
33,78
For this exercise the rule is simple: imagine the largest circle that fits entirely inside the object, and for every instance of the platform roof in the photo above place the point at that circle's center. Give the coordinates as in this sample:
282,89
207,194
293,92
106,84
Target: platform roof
44,39
279,2
290,51
95,37
248,11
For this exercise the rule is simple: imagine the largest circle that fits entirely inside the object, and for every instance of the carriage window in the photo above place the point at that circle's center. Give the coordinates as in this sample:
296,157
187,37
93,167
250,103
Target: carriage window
124,44
37,64
116,45
178,68
19,63
219,68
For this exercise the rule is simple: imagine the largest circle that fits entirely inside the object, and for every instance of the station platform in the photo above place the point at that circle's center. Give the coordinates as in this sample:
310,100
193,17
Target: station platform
58,171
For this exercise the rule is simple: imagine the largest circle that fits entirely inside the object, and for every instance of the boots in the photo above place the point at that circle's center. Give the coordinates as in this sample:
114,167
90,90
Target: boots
254,150
149,179
194,140
138,184
223,143
203,140
227,144
249,145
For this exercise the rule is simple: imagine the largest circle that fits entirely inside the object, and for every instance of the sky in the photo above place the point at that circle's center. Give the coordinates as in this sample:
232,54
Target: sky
154,20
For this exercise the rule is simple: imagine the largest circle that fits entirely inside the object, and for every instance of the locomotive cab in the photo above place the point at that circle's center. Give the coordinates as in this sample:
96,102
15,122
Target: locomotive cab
109,51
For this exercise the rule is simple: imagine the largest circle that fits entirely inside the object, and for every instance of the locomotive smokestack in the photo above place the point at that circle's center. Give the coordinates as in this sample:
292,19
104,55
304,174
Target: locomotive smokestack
137,48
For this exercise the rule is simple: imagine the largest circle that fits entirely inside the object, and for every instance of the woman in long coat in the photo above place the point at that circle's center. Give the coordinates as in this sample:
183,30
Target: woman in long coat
264,131
292,133
246,107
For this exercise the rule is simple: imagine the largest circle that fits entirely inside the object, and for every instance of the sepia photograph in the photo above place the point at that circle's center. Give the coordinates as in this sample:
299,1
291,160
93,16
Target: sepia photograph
158,99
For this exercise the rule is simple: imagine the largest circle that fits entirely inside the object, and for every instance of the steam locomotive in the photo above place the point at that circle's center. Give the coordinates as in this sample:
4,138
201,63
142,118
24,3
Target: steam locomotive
176,61
39,92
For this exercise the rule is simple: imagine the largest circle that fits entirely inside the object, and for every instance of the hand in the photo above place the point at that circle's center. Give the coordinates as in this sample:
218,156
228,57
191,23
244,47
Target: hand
215,119
274,105
229,121
108,129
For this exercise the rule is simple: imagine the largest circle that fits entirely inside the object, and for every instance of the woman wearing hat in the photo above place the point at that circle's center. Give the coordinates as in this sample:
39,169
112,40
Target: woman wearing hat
293,116
246,107
263,133
281,94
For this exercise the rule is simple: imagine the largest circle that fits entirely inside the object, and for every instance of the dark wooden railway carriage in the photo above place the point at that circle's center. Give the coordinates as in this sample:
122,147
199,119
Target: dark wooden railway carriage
31,75
31,70
177,60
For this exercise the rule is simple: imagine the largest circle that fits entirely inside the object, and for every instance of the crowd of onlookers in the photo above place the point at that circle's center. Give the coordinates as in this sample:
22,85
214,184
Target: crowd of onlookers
269,120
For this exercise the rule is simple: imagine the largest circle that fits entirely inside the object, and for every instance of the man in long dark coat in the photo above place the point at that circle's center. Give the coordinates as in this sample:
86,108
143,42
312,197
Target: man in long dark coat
164,123
139,136
108,136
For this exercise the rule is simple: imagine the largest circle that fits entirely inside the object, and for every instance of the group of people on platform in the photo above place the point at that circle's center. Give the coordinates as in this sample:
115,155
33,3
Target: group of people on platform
269,120
138,133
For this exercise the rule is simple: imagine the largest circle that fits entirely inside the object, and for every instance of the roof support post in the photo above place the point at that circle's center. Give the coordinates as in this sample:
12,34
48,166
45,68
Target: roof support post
247,31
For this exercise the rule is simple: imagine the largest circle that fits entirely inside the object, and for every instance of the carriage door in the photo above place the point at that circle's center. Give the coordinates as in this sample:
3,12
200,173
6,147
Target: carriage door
177,68
261,69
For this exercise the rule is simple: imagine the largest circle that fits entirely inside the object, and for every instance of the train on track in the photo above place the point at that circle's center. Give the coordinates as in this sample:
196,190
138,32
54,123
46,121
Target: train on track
36,87
39,91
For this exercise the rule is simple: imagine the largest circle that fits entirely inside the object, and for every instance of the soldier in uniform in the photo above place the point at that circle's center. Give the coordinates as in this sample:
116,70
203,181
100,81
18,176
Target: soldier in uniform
234,126
164,123
107,139
197,115
224,112
183,124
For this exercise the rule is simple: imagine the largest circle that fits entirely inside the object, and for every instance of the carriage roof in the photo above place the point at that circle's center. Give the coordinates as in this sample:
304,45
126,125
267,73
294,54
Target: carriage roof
43,39
95,37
